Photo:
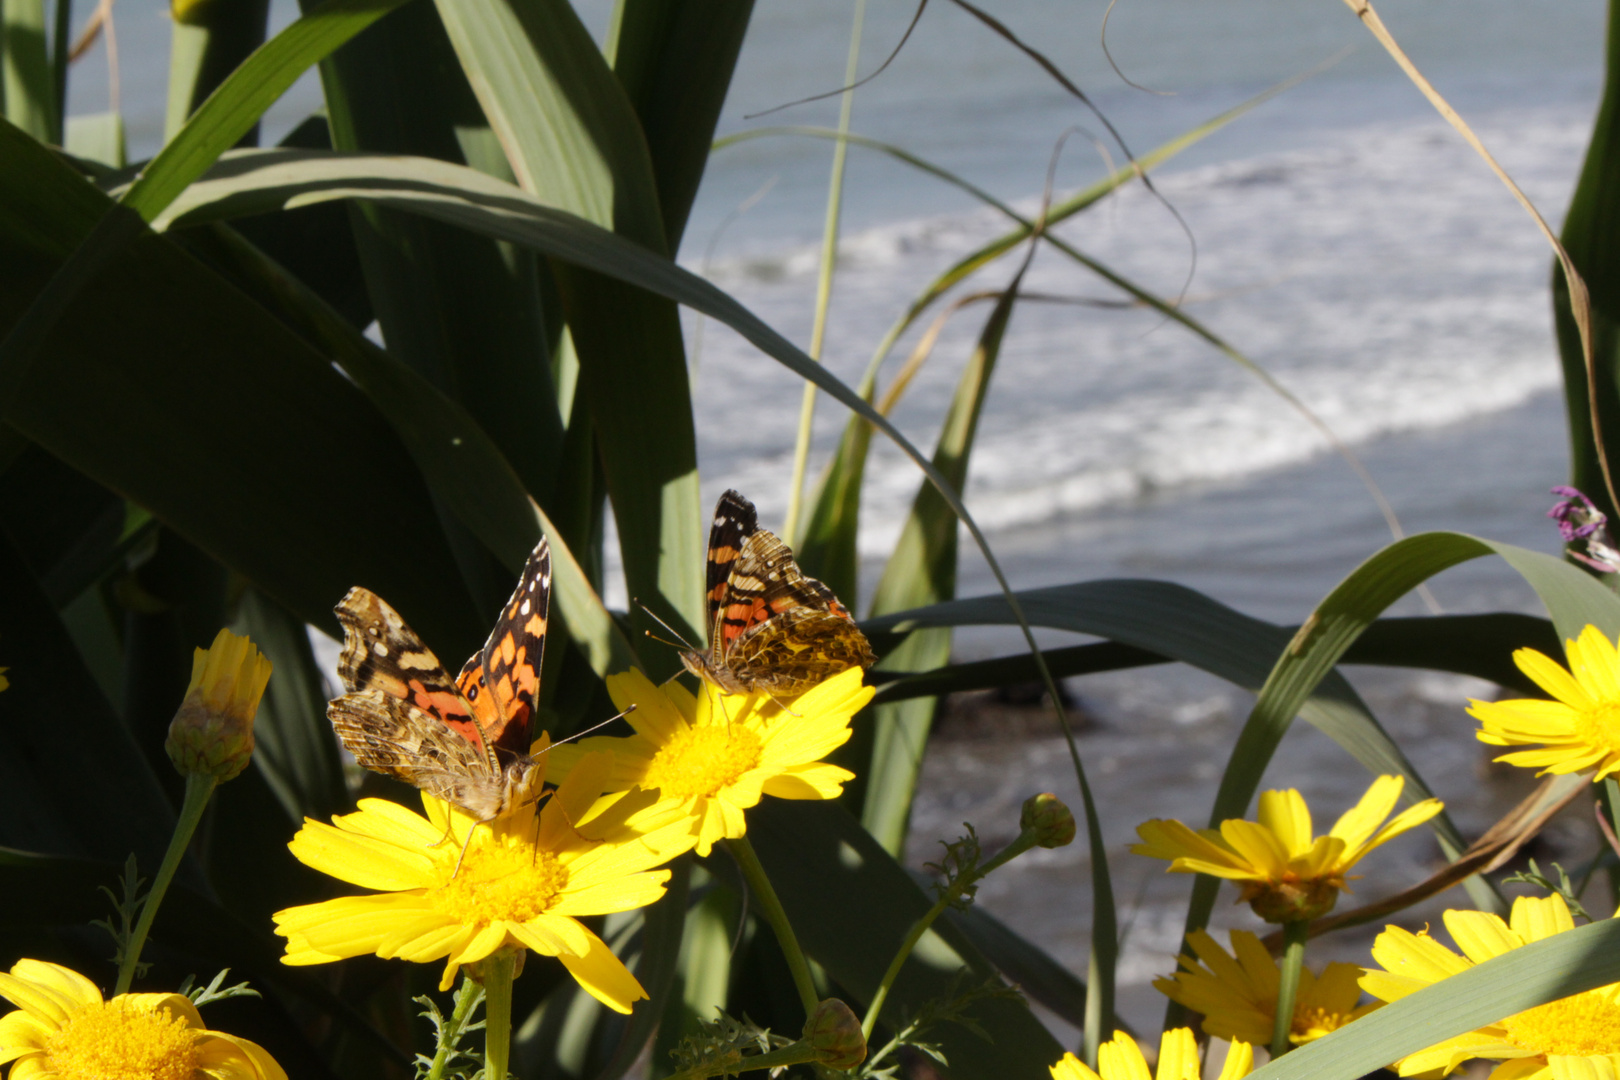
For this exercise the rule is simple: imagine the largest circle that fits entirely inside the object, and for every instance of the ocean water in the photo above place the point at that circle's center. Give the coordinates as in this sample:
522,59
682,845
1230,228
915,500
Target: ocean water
1346,241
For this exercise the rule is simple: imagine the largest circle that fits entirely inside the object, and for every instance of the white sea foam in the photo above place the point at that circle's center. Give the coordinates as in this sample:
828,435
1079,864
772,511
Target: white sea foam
1385,278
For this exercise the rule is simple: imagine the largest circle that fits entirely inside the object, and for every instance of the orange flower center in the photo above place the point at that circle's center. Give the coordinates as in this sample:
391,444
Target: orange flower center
116,1041
702,760
1583,1025
500,880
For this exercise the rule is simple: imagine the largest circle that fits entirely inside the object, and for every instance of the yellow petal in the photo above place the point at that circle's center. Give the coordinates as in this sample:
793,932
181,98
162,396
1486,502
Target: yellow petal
1239,1061
814,781
1537,917
1480,935
1178,1054
1258,846
1359,822
1121,1059
623,893
1285,814
603,975
1070,1067
1552,677
367,861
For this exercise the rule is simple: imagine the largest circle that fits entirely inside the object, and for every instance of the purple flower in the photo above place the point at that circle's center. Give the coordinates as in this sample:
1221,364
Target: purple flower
1584,527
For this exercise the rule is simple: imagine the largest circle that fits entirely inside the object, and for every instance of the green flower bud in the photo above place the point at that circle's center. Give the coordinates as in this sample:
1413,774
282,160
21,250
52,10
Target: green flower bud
834,1033
212,734
1050,820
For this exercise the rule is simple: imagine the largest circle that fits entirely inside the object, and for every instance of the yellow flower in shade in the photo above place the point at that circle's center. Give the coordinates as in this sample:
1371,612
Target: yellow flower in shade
716,754
212,733
1577,1036
1121,1059
1577,731
5,683
524,880
1287,874
1236,992
63,1030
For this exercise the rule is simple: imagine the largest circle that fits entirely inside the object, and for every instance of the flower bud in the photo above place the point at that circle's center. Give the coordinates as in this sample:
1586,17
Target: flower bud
212,734
1050,820
834,1033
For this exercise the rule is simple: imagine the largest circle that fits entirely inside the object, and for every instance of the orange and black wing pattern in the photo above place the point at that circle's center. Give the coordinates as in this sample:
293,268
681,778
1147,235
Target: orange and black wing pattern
771,628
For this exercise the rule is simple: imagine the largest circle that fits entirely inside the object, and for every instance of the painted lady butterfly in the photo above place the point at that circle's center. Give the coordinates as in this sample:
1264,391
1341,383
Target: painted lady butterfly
771,628
465,740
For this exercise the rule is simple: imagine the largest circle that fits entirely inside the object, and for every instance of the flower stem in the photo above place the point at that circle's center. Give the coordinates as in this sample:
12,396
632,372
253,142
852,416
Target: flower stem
498,971
1025,841
199,787
1293,959
466,1001
754,874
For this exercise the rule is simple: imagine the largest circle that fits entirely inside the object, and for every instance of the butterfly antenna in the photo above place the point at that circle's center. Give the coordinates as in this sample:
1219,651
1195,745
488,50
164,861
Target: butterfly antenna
680,641
593,727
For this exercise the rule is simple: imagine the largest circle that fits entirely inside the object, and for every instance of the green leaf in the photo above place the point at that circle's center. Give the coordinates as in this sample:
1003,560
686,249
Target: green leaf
1184,624
71,777
851,904
294,746
233,109
1591,236
49,891
574,141
27,86
1477,645
1555,967
304,511
255,182
922,570
1573,599
675,63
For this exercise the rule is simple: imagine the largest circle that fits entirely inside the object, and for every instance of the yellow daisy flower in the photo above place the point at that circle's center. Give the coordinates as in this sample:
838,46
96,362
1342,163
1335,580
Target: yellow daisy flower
1287,874
1121,1059
716,754
63,1030
524,881
1574,1036
1236,992
1580,729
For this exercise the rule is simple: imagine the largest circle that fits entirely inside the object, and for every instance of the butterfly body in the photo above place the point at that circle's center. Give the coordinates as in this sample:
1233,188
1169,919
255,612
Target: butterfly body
465,739
772,628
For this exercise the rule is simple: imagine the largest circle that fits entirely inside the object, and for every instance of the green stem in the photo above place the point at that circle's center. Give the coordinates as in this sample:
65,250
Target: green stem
1025,841
498,971
198,789
471,994
829,259
793,1054
1293,961
771,906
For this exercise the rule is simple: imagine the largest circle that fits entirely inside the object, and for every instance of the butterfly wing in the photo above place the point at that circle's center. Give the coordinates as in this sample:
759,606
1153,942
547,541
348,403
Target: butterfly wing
735,520
792,651
381,653
500,682
390,735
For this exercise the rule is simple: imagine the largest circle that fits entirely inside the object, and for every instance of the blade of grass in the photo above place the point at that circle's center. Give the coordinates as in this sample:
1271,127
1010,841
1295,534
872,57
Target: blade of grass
27,86
257,181
824,279
1580,304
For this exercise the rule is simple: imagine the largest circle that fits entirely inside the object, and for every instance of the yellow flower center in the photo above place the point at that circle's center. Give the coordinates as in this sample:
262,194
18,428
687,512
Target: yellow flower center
1586,1024
1314,1022
501,880
113,1041
1600,726
702,760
